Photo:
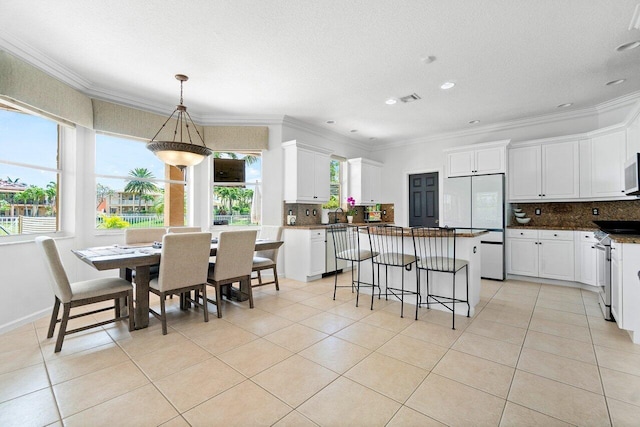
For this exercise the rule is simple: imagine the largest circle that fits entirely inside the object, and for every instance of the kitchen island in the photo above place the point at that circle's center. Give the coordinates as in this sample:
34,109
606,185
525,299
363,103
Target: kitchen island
467,248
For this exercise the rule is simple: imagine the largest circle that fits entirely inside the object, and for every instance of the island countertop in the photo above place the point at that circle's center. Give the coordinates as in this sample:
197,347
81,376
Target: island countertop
460,232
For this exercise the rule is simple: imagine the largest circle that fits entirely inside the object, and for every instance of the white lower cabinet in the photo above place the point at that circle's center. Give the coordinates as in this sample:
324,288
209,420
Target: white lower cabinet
304,254
586,258
541,253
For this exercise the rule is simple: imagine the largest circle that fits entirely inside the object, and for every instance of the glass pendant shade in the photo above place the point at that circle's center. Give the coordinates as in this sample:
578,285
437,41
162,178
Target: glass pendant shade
176,152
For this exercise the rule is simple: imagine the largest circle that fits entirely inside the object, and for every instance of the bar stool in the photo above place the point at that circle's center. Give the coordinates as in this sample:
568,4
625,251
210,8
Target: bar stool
435,250
388,242
346,244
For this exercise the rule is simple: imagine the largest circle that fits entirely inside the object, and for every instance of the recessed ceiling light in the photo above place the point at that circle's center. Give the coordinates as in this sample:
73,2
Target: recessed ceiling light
615,82
353,130
447,85
330,122
390,101
628,46
372,138
473,122
428,60
568,104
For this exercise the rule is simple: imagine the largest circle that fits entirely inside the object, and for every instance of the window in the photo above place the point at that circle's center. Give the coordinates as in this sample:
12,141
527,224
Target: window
335,182
130,184
29,173
238,203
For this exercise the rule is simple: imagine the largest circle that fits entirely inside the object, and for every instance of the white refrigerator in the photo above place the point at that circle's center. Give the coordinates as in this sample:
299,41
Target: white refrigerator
478,202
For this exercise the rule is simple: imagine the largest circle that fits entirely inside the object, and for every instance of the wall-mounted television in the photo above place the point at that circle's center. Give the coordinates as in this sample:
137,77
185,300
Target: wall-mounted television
228,170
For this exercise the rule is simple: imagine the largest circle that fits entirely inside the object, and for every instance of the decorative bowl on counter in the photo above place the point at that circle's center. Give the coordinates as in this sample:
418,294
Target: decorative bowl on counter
517,210
523,220
519,214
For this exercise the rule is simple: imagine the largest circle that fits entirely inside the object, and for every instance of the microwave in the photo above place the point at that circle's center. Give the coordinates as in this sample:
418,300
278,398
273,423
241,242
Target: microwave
632,176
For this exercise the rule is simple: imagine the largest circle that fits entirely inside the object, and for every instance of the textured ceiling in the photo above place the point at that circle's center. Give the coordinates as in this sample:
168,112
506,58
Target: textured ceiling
336,59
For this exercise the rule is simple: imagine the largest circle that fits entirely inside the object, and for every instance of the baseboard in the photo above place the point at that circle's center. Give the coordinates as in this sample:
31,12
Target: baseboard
24,320
555,282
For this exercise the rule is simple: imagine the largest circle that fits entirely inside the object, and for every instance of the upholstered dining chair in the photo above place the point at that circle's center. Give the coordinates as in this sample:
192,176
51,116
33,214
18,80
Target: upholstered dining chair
144,236
435,250
265,260
141,236
184,230
233,263
346,244
77,294
184,263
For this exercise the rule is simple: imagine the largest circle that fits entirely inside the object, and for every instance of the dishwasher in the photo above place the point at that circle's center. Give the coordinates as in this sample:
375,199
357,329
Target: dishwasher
330,266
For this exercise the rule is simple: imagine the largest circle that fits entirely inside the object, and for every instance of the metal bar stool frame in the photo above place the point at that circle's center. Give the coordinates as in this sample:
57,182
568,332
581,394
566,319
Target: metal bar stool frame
388,241
346,245
435,250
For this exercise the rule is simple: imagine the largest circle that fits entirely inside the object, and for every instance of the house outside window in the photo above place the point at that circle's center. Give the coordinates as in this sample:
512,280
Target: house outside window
30,173
129,184
235,202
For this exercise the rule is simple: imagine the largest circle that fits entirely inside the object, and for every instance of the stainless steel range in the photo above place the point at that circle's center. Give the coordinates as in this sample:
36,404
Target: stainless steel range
604,257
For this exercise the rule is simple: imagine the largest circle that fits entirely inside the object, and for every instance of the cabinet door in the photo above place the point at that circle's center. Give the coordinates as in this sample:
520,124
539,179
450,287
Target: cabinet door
556,259
616,284
322,178
317,254
633,137
522,257
370,184
607,165
461,164
489,160
588,262
525,173
306,176
560,171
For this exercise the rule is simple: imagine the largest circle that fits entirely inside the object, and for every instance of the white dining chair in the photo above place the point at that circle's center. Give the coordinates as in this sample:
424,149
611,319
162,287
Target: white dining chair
233,263
184,230
184,263
267,259
77,294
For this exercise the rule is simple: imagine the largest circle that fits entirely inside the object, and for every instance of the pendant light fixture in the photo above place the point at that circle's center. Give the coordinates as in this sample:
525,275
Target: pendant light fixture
178,152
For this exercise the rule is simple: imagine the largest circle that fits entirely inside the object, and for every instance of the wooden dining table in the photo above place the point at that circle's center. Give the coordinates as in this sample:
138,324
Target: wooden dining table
127,258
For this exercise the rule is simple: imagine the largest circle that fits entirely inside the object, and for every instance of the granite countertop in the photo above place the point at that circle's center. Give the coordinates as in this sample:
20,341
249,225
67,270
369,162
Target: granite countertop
325,226
625,238
460,232
554,227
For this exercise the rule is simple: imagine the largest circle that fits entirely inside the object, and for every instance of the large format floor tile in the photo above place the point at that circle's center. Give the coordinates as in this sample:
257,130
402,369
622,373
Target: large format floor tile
532,355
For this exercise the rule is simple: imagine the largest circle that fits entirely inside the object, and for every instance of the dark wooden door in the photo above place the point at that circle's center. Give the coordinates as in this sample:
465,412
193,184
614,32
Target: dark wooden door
423,200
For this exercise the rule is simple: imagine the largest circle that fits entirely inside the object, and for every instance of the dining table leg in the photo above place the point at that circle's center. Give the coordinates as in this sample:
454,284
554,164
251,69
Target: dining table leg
141,314
125,273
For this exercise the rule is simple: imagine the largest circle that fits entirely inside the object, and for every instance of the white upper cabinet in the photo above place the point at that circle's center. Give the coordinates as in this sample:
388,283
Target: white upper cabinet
306,173
633,137
602,160
547,171
481,159
525,173
364,181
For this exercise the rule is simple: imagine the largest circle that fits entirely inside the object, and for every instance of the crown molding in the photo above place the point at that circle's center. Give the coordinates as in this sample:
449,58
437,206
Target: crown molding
323,133
44,63
601,108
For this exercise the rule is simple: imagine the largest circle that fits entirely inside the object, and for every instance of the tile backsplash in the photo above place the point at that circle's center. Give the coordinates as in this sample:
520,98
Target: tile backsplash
577,214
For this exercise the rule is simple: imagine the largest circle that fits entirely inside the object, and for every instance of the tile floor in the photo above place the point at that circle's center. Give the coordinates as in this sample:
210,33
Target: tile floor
532,355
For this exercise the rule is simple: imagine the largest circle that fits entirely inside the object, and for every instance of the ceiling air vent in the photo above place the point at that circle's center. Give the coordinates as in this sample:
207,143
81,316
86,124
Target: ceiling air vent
410,98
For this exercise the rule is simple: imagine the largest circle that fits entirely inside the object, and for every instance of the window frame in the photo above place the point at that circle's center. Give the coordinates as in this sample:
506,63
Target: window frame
159,182
58,171
246,184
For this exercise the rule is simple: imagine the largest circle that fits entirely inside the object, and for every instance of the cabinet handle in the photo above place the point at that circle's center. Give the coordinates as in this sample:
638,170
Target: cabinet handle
593,247
539,195
522,234
544,195
555,235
